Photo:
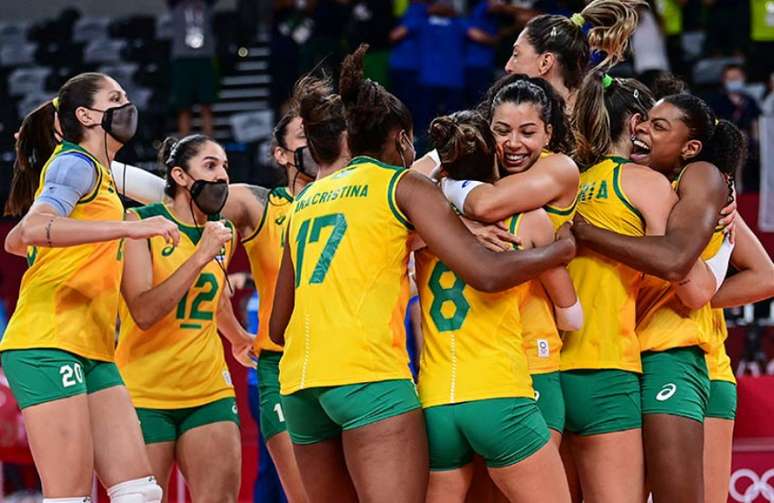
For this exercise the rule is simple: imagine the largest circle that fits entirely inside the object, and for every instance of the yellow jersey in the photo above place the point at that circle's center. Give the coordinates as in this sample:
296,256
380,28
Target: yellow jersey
68,297
542,341
663,321
264,251
178,362
349,243
473,348
607,289
718,361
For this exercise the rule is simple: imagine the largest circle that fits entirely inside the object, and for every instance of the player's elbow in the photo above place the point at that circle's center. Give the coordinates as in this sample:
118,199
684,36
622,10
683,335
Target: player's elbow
677,270
696,300
27,235
277,337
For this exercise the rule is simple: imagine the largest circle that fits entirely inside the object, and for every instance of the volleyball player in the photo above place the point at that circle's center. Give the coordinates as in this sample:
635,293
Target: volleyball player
474,379
555,47
169,352
681,139
754,282
531,132
345,382
58,348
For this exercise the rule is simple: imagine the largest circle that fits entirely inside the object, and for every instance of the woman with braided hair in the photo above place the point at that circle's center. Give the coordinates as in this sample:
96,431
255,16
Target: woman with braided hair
351,406
682,140
475,383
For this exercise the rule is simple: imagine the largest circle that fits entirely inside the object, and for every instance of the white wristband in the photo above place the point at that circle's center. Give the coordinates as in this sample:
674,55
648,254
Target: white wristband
141,186
433,154
569,318
718,264
456,191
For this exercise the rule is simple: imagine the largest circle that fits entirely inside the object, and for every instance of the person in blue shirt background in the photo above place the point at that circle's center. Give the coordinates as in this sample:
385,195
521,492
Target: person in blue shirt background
480,52
404,58
267,488
442,39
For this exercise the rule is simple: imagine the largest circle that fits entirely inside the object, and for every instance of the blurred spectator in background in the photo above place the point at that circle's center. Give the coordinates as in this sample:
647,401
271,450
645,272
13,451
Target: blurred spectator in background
442,64
761,62
648,46
480,52
404,57
291,29
194,70
768,101
733,103
371,23
329,22
670,15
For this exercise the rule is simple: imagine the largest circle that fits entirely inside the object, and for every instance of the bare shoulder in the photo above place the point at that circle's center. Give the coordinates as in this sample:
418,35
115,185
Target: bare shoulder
560,163
636,175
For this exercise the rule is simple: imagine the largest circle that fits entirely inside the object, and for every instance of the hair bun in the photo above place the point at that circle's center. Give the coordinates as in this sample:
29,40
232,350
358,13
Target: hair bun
442,130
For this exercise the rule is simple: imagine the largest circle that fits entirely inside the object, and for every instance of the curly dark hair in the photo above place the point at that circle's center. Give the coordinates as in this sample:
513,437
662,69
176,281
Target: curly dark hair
371,111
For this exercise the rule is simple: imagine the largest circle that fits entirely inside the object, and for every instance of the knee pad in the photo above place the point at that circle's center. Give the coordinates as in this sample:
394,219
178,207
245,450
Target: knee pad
79,499
144,490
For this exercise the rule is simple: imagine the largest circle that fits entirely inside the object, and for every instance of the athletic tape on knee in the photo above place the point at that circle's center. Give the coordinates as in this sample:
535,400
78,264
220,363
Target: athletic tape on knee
144,490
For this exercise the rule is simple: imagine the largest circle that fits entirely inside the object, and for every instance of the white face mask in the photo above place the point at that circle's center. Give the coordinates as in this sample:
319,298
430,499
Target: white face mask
735,86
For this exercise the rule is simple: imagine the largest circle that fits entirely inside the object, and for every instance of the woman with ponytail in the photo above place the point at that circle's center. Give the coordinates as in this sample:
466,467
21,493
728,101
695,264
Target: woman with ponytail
601,362
341,293
58,348
557,49
532,138
475,384
260,217
174,303
682,140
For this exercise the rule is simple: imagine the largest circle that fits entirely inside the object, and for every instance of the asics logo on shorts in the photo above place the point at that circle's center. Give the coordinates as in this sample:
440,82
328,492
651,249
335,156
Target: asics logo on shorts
537,395
666,392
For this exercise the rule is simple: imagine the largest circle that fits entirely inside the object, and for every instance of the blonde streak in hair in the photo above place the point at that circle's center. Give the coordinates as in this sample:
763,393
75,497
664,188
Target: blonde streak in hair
613,21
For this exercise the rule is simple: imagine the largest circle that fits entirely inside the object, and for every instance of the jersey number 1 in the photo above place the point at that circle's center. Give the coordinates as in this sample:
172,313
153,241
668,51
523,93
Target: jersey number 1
339,223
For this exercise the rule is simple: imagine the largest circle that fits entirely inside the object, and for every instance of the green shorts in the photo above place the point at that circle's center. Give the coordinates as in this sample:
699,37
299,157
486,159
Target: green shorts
601,401
194,82
503,431
314,415
675,382
549,398
167,425
43,375
272,418
722,400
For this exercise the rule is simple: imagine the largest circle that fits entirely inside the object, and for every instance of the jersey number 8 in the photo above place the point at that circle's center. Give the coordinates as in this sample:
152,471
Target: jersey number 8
441,295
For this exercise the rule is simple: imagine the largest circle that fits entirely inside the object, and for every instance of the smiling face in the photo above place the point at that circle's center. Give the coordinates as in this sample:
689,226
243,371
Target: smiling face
663,142
524,59
520,134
